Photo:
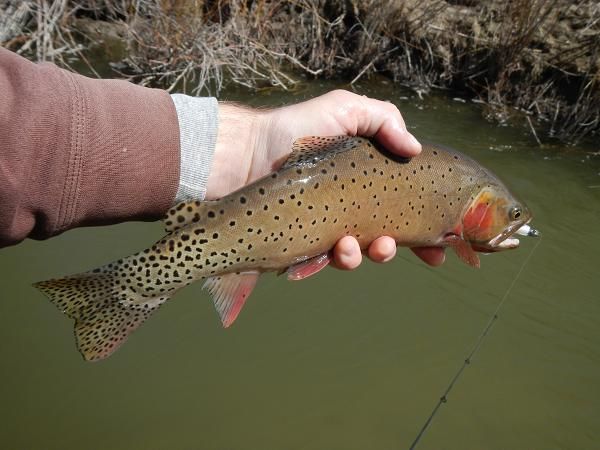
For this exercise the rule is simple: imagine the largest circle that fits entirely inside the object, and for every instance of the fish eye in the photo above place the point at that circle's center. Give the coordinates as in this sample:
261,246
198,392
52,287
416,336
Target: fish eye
515,213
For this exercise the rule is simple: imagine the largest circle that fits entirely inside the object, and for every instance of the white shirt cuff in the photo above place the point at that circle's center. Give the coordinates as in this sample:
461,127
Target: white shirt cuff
198,119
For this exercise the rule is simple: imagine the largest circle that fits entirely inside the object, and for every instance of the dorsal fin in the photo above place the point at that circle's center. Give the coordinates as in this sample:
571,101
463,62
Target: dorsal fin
185,213
311,150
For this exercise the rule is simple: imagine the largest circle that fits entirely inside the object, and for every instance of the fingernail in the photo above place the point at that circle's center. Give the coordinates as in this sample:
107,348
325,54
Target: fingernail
387,258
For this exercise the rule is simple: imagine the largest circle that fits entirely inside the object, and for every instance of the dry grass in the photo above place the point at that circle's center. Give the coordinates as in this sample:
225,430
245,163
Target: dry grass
535,57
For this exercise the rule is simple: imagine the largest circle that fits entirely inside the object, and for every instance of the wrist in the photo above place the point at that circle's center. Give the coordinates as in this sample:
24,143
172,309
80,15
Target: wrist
241,139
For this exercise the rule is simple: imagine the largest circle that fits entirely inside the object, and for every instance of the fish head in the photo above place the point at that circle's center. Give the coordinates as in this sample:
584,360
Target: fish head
492,218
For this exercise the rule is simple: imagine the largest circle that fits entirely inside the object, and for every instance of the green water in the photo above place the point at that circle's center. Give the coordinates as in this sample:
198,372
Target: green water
339,361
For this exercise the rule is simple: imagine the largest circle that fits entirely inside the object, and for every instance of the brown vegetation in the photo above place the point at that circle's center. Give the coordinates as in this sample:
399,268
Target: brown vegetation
540,57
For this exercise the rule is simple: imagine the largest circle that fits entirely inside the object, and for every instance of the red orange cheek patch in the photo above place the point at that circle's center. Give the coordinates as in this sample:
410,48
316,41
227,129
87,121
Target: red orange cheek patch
480,216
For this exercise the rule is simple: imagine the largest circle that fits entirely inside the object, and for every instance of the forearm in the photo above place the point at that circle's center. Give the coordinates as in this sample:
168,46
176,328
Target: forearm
76,151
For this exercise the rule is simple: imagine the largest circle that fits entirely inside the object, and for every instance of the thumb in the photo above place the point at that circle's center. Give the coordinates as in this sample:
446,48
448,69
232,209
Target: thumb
383,121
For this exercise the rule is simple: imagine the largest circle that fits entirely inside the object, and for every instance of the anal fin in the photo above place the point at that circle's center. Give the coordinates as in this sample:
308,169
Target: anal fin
229,293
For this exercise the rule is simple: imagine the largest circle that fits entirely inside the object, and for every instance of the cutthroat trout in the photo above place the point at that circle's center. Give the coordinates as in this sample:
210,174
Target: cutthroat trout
289,220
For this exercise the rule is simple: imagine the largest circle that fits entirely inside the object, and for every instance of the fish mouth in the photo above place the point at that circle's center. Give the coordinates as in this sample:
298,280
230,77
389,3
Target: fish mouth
505,240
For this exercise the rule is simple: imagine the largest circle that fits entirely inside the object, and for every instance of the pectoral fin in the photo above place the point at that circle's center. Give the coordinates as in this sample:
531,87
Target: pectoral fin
229,293
463,250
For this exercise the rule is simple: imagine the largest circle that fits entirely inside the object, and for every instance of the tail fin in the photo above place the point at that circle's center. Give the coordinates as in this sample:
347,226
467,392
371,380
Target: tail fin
105,310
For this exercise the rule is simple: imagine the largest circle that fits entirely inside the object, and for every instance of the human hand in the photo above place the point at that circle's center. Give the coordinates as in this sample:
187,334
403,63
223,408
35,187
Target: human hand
261,140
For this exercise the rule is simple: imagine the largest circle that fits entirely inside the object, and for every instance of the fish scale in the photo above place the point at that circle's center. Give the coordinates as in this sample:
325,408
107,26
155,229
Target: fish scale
328,188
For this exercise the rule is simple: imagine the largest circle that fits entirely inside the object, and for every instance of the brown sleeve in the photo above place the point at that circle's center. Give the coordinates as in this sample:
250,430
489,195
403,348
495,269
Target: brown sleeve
77,151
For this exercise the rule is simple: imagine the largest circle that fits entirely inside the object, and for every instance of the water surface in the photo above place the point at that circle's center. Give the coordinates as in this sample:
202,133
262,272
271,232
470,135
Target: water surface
338,361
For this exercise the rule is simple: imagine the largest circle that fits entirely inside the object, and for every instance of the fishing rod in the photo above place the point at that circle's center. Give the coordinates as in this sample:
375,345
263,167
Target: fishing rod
527,231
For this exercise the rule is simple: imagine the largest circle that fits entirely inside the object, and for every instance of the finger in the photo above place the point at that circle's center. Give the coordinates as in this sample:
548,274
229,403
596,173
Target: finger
382,249
346,254
434,256
383,121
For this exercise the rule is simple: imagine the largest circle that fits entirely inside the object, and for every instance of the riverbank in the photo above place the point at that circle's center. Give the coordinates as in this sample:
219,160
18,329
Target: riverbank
532,61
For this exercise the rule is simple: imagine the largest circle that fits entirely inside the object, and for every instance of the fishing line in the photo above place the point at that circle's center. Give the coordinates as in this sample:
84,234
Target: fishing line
444,398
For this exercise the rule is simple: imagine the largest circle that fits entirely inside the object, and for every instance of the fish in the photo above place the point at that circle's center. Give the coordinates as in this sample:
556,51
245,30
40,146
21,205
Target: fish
288,222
